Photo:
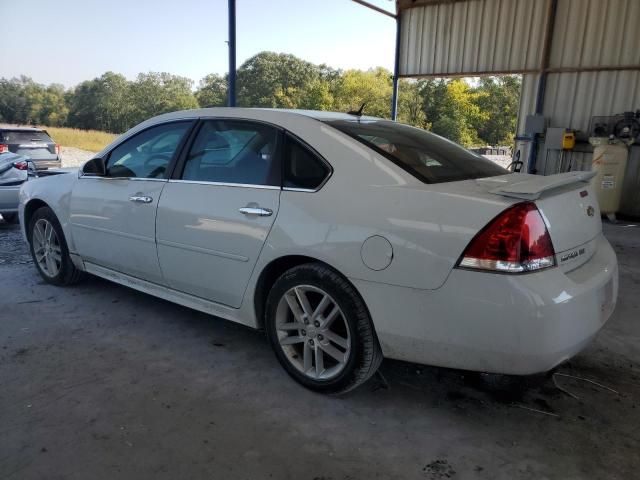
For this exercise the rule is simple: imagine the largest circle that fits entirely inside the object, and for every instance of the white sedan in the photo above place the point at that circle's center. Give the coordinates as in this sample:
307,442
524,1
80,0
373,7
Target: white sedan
345,238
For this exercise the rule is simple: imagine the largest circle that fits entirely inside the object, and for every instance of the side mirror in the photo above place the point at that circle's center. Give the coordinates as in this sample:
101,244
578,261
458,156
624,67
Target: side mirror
95,167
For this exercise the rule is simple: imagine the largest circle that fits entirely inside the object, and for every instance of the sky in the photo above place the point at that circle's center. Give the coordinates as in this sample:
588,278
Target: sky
68,41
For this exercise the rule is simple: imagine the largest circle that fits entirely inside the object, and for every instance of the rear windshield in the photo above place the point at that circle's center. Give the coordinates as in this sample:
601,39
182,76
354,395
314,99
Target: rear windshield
17,136
428,157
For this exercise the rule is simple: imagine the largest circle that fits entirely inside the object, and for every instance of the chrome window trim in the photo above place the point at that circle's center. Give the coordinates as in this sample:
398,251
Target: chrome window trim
306,190
224,184
133,179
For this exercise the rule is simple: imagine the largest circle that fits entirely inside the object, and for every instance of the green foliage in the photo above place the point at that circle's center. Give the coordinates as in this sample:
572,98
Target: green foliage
26,102
481,112
275,80
212,91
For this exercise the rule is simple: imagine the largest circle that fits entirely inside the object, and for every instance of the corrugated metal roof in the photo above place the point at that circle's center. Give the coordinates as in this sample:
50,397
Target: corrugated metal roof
483,36
473,36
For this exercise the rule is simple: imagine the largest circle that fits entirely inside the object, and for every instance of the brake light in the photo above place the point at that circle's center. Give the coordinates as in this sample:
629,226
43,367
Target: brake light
21,165
57,149
4,148
516,241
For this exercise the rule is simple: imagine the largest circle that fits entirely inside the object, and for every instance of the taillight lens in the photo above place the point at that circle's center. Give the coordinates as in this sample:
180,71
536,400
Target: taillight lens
21,165
57,149
516,241
4,148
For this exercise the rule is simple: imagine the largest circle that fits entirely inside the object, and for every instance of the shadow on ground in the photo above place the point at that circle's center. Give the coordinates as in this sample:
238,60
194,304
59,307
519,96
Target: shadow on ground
99,381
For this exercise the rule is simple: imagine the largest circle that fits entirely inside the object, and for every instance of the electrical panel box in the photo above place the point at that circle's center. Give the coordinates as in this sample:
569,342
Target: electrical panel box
534,124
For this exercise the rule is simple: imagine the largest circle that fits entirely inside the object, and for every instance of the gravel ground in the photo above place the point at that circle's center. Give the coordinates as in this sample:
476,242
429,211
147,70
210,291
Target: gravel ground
99,381
75,157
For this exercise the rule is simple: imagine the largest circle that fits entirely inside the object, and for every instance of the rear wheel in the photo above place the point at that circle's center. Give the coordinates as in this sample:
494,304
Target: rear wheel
49,249
10,217
320,330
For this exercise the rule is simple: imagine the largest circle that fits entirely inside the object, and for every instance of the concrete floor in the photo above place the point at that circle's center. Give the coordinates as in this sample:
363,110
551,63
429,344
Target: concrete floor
98,381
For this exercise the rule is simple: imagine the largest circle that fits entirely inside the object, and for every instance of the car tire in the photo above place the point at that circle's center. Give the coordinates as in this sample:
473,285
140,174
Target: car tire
52,260
10,217
325,351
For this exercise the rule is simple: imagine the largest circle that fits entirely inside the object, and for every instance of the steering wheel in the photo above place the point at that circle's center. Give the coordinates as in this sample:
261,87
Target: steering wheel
161,160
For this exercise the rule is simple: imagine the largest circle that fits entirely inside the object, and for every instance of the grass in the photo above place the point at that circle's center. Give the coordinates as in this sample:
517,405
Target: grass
91,140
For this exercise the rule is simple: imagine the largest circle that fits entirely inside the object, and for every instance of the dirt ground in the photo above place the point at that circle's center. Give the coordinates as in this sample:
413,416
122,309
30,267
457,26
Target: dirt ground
101,382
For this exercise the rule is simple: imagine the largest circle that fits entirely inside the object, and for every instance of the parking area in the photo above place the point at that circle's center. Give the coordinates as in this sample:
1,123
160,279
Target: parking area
99,381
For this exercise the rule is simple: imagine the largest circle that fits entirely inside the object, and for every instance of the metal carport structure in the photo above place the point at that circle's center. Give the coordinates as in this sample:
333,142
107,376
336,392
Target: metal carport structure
578,58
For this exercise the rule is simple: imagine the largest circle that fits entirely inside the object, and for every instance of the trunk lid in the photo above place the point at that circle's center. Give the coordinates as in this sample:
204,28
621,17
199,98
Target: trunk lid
568,205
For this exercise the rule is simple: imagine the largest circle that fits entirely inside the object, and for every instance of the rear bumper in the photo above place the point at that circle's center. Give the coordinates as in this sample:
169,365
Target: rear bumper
46,164
510,324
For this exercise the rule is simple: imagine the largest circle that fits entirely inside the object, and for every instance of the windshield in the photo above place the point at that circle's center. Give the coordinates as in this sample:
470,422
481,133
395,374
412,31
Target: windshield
428,157
24,136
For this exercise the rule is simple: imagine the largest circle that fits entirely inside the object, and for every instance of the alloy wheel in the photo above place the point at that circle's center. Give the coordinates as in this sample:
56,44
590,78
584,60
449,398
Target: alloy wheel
46,248
313,332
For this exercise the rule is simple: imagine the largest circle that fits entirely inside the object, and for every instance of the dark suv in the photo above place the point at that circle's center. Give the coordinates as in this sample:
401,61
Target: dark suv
33,143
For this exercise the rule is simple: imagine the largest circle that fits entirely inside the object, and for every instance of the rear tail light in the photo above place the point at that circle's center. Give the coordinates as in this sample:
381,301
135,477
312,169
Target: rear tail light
4,148
57,149
21,165
516,241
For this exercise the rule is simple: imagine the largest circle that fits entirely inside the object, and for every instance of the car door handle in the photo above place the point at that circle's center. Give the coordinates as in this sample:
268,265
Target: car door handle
141,199
261,212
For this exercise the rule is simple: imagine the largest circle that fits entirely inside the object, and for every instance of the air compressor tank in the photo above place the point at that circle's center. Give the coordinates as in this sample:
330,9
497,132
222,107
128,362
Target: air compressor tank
609,162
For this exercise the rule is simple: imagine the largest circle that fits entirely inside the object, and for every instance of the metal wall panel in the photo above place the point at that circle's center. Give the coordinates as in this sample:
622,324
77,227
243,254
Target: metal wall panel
596,33
471,37
571,99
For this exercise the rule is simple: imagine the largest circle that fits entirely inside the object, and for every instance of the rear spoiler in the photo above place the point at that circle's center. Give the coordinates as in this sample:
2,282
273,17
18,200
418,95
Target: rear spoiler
532,188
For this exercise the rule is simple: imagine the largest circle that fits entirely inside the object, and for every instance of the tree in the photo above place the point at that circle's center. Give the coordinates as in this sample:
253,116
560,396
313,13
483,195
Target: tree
104,103
276,80
410,104
372,87
498,98
156,93
212,91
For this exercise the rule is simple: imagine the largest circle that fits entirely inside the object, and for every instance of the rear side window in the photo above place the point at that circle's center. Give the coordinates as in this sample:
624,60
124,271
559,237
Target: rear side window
303,168
234,151
15,136
428,157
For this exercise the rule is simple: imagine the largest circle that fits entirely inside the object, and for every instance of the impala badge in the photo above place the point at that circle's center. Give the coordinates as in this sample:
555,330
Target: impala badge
591,211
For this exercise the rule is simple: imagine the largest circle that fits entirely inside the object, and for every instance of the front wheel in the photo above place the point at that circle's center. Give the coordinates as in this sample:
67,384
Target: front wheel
49,249
320,330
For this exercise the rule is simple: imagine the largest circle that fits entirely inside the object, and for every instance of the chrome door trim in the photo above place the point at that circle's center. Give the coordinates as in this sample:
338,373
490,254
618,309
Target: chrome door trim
223,184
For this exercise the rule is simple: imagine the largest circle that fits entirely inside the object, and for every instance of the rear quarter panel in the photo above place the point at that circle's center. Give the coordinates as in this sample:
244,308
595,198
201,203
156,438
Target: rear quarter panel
428,226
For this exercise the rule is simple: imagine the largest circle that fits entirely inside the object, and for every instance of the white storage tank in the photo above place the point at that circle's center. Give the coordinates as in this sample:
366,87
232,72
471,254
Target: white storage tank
609,162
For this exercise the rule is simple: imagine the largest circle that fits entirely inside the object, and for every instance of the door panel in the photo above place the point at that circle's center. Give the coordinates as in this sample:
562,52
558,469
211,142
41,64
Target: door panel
206,246
113,218
111,230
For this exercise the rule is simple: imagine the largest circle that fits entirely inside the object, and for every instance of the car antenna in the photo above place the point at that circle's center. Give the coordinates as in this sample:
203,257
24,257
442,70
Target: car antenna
357,113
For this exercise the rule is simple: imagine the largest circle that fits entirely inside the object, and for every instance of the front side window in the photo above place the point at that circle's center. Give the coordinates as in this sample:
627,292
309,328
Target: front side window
302,168
428,157
147,154
232,151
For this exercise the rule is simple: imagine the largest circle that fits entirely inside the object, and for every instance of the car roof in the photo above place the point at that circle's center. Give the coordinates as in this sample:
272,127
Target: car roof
263,113
20,129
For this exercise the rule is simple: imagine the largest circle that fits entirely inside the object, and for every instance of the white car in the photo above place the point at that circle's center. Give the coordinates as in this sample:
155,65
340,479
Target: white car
346,238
